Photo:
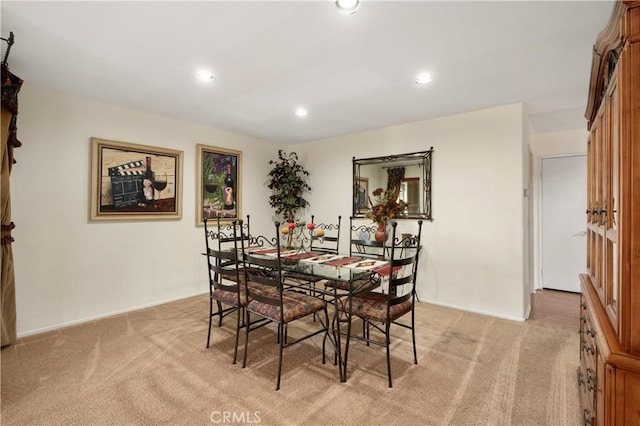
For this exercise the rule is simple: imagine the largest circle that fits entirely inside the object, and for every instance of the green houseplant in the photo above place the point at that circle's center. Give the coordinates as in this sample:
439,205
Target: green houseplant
288,183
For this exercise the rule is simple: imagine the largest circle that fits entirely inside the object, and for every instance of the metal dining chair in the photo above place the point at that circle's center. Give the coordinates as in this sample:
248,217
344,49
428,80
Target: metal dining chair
279,305
381,310
361,244
329,241
224,276
224,267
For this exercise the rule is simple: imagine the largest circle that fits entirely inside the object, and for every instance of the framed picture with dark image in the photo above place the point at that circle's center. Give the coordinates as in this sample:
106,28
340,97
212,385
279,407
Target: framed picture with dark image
219,187
133,182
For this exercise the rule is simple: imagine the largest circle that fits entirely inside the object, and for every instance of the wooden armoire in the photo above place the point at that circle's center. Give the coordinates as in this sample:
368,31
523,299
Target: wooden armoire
609,371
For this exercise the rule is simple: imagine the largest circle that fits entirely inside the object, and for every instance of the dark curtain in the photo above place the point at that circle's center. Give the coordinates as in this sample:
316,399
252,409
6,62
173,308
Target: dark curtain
10,88
394,179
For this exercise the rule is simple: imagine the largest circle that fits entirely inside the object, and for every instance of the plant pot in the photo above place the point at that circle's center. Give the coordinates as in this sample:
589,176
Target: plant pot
381,234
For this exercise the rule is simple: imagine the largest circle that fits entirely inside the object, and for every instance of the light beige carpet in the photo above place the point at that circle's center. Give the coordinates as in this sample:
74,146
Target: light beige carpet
151,367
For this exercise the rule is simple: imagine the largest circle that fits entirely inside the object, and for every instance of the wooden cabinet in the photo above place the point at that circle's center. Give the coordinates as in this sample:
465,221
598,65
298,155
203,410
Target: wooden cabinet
609,371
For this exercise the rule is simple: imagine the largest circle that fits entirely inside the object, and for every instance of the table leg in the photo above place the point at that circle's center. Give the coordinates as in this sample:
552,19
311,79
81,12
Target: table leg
336,335
342,315
347,314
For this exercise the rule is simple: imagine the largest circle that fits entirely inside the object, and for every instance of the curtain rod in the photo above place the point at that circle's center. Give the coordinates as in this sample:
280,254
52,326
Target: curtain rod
403,165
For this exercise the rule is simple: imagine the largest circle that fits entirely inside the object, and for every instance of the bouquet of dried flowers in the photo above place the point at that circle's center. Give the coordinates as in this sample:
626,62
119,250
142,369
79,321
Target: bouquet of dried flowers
387,206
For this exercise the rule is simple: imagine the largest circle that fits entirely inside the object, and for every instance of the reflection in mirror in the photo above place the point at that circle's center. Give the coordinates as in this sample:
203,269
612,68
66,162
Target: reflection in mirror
410,173
410,194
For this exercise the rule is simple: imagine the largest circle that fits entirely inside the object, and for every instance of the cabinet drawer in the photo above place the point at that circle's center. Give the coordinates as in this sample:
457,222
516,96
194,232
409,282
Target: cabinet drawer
587,371
587,329
586,406
587,386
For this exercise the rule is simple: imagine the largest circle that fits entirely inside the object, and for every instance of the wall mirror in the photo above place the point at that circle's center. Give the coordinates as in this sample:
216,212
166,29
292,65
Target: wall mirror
413,173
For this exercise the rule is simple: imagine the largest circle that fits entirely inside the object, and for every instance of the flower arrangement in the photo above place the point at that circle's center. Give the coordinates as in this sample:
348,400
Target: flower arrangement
387,206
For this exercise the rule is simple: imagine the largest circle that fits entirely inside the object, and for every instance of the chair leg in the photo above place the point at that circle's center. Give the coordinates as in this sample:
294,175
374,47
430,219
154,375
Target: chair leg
219,313
335,338
312,292
366,331
244,318
280,328
210,320
246,339
413,335
387,339
347,341
324,340
326,332
239,312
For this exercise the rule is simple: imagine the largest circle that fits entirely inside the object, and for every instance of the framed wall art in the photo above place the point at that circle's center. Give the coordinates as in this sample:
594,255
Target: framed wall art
131,182
219,185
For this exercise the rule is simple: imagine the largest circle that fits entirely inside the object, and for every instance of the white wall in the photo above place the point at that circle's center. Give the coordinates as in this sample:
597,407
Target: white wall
547,145
474,247
568,142
69,269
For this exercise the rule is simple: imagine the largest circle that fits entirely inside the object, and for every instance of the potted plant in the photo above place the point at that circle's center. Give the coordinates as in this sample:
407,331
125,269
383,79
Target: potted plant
288,184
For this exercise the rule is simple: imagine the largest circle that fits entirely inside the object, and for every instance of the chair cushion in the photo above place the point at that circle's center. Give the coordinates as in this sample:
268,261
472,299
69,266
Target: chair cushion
231,298
295,305
373,306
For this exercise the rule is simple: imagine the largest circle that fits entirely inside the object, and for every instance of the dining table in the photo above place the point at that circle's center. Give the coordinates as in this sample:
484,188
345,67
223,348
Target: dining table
347,274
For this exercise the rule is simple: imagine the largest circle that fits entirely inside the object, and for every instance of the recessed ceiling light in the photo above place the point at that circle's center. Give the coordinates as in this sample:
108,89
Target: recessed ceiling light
301,112
204,75
348,6
424,78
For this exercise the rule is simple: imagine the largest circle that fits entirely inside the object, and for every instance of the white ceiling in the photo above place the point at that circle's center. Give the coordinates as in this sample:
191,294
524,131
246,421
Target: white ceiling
352,72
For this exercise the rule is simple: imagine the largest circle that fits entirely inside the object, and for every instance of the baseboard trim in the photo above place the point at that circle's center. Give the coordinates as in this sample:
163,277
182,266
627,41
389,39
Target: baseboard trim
561,291
528,314
105,315
477,311
162,302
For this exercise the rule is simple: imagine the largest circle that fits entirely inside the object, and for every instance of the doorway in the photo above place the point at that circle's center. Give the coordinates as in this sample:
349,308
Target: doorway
563,234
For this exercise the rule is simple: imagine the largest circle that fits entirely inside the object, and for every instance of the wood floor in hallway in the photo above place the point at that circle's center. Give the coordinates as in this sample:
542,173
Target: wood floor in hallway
556,307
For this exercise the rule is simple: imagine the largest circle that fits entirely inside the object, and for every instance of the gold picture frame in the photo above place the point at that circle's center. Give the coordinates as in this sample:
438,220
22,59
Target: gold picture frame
219,184
134,182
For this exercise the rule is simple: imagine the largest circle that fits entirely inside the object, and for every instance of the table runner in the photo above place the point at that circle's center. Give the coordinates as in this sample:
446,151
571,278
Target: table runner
381,267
